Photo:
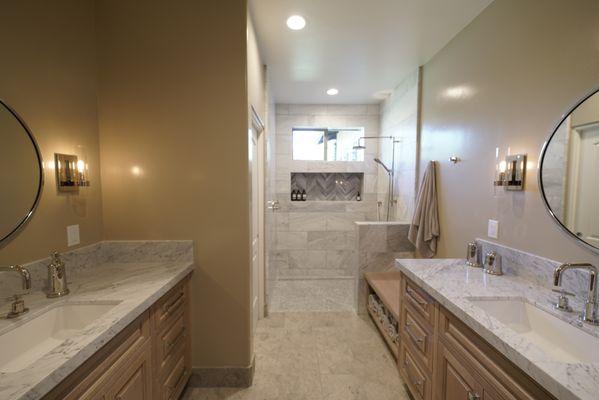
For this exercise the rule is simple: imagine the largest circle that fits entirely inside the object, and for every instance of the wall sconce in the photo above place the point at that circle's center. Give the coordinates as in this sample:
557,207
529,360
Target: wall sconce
511,172
71,172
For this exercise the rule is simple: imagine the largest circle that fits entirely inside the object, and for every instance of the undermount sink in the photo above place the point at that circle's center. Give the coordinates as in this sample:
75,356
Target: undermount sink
552,335
27,343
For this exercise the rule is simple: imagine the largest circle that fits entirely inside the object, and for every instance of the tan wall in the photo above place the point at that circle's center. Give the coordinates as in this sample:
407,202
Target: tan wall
48,75
173,102
523,63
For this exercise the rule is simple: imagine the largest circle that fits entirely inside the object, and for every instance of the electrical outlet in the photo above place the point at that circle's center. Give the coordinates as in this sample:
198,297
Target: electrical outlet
73,235
493,229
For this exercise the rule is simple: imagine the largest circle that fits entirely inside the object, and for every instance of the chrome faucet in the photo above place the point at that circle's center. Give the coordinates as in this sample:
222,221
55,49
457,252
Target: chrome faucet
57,277
589,314
17,306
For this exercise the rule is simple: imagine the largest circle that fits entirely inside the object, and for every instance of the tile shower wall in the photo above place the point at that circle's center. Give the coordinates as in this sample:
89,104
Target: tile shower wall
316,239
399,118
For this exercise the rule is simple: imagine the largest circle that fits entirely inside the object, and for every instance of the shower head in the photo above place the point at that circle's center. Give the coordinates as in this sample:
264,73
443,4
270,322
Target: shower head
378,161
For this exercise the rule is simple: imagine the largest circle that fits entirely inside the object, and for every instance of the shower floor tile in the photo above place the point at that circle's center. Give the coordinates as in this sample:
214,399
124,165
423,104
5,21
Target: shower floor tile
313,295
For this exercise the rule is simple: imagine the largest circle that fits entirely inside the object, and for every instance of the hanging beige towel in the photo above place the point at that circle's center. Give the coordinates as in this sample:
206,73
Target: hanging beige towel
424,230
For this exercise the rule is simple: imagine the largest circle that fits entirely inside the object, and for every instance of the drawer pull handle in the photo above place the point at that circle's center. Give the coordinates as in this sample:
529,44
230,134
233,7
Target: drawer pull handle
166,309
169,346
473,396
417,382
415,297
411,335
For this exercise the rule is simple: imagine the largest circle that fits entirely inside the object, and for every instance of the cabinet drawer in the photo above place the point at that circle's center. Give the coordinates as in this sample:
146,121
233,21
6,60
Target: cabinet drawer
169,342
170,306
420,301
417,337
175,381
417,381
507,380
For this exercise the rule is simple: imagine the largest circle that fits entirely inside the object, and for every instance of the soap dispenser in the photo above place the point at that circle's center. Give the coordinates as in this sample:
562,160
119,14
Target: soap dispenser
57,277
304,195
293,195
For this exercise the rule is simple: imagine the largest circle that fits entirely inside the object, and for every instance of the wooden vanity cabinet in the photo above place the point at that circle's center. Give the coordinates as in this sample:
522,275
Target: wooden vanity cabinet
443,359
150,359
172,345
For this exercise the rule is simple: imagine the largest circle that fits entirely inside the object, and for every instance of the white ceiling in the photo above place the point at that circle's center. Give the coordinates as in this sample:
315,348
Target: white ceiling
360,47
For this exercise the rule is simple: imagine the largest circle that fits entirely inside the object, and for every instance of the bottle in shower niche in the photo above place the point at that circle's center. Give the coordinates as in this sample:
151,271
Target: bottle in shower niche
358,197
293,195
304,195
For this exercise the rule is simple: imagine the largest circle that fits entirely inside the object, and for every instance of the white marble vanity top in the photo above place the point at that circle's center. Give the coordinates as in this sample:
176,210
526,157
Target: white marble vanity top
452,283
133,287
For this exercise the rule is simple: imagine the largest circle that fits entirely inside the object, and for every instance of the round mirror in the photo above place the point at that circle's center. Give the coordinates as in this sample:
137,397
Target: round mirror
569,172
21,174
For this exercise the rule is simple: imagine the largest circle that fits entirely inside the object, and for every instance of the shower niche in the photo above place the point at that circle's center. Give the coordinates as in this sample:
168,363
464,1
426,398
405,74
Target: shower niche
329,186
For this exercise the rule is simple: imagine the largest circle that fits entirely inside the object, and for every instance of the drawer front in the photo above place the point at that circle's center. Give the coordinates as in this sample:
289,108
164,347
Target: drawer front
417,381
420,301
169,343
170,306
416,336
176,380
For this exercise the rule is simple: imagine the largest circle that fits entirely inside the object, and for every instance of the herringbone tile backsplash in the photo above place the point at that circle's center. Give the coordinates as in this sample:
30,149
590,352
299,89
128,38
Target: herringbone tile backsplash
328,186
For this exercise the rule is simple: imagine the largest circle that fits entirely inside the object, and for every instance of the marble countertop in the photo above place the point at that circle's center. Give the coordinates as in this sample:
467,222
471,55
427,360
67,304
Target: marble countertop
452,284
132,287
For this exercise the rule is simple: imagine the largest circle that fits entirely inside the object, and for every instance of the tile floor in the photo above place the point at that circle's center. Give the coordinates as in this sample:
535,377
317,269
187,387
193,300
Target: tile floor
316,356
313,295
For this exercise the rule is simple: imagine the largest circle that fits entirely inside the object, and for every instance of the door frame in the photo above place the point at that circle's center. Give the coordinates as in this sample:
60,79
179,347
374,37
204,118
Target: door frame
260,128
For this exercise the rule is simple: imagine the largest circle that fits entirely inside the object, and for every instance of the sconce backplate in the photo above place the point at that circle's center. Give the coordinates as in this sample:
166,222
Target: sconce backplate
515,172
67,178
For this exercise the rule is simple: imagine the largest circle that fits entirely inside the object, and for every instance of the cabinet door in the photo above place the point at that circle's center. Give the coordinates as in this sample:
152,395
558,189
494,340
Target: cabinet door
454,380
134,382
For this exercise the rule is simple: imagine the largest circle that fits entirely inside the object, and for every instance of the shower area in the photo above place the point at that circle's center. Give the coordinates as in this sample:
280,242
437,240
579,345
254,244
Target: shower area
340,201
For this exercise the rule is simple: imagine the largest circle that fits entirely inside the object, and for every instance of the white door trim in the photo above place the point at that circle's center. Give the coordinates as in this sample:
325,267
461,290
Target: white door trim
259,126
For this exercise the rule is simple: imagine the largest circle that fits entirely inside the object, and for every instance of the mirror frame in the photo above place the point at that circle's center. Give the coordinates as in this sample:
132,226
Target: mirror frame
5,239
559,223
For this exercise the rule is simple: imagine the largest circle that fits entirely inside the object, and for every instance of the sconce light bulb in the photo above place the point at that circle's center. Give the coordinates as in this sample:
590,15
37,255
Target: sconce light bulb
502,166
80,166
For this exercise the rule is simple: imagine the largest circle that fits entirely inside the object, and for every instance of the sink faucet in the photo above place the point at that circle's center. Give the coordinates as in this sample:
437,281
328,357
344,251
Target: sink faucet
589,314
57,277
17,306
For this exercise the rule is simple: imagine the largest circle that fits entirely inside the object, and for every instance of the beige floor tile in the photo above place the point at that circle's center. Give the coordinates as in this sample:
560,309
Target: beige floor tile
316,356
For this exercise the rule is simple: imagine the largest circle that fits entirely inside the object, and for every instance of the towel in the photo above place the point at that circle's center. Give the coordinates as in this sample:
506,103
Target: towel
424,230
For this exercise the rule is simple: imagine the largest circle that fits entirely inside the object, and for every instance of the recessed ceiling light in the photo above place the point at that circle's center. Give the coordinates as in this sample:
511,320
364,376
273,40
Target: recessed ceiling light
296,22
332,92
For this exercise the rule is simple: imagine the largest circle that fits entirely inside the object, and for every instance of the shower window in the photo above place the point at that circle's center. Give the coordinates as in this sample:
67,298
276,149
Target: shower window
327,144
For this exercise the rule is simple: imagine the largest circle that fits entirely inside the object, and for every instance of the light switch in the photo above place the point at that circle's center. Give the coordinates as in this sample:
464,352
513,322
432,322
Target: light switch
493,229
73,235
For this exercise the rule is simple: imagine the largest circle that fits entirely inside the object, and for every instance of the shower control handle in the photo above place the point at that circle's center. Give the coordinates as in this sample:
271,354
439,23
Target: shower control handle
273,205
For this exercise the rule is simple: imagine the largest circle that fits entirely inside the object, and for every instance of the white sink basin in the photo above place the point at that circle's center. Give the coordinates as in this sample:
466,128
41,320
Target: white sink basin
27,343
552,335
